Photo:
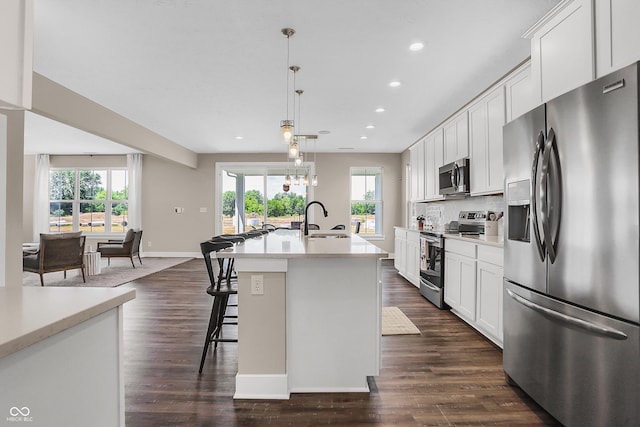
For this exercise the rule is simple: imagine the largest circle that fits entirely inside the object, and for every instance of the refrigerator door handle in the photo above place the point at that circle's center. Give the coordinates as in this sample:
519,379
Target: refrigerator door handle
534,205
573,321
549,240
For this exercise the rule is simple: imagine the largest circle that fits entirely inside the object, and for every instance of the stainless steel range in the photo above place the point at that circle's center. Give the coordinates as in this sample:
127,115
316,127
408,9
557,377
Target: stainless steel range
432,267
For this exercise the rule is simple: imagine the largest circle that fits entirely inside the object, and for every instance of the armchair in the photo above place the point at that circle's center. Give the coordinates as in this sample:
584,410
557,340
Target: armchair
127,248
57,252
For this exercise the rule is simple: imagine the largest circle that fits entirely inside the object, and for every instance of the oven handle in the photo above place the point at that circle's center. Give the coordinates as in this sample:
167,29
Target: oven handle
573,321
430,286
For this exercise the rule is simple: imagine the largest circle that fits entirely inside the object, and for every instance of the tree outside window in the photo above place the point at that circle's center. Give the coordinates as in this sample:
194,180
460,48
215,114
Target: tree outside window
366,200
92,201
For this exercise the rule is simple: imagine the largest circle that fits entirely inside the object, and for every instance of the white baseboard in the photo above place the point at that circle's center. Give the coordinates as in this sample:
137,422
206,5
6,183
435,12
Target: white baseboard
171,254
274,386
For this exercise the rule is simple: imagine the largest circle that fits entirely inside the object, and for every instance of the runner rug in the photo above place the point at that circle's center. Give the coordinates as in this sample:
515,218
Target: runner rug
395,322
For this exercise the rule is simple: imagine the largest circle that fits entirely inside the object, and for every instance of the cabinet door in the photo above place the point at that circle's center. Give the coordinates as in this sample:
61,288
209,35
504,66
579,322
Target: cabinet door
495,121
489,304
519,93
468,288
413,179
421,171
456,138
562,50
400,251
479,146
413,258
452,280
617,34
434,158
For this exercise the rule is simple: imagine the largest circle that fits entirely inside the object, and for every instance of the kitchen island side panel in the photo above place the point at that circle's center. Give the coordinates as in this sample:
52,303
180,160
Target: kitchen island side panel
333,324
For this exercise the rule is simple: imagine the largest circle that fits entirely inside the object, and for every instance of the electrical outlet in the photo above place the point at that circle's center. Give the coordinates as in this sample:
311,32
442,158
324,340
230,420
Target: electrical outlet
149,244
257,284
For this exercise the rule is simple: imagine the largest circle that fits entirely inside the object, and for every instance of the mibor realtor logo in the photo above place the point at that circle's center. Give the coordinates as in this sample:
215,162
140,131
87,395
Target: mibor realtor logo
20,414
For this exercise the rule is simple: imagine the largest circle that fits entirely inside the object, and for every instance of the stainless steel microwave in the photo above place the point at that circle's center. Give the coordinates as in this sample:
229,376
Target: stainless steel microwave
453,178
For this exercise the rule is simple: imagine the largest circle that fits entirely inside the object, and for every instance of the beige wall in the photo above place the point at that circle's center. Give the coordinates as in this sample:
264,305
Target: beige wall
166,185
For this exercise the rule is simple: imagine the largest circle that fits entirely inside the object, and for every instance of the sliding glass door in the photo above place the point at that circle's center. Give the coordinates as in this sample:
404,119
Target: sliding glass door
251,196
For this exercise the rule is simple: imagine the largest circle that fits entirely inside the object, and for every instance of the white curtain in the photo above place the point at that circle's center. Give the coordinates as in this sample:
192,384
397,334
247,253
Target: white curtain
41,197
134,163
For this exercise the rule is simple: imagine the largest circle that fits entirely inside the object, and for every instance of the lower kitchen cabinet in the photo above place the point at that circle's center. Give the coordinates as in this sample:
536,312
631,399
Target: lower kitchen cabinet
407,254
473,285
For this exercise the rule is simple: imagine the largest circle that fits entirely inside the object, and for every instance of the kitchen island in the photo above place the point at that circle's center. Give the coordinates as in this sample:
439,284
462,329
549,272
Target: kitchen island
61,355
315,324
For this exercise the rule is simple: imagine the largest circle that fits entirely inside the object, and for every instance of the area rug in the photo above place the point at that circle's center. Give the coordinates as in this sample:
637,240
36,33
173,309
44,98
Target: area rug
119,272
395,322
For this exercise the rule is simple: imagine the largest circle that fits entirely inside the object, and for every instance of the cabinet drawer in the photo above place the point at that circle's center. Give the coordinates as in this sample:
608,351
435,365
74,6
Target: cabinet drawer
491,254
401,233
413,236
460,247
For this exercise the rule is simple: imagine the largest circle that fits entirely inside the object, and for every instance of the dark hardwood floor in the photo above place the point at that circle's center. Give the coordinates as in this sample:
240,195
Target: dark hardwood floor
447,375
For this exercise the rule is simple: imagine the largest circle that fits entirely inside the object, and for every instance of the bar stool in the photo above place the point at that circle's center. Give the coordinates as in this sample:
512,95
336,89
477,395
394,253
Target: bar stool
220,293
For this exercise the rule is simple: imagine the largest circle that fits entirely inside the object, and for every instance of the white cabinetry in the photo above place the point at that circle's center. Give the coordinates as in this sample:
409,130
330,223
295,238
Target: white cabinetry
486,118
417,161
562,49
400,250
489,292
434,158
473,285
519,92
460,278
617,34
413,168
407,254
456,138
413,258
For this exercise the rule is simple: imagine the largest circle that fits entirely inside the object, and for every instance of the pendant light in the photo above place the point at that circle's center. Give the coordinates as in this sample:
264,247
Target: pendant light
286,125
294,145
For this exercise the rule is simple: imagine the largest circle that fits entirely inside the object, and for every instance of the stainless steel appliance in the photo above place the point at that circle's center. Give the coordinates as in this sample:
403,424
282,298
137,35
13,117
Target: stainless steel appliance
571,294
454,178
472,222
432,267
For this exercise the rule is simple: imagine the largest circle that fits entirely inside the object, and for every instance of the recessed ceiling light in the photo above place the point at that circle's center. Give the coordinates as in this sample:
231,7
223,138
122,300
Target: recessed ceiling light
416,46
370,126
324,132
394,83
364,137
345,148
379,110
239,137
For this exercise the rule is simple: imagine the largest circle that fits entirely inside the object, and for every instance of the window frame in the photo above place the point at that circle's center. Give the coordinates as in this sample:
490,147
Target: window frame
76,202
378,233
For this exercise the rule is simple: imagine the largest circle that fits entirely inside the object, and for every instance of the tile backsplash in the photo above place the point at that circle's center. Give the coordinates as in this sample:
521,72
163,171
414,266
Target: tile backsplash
440,212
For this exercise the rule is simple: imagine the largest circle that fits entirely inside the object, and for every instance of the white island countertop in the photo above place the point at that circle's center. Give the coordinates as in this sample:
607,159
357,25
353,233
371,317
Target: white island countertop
289,244
31,314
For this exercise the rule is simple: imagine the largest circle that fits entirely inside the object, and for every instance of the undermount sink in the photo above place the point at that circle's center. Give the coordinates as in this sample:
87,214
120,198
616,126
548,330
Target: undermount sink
328,236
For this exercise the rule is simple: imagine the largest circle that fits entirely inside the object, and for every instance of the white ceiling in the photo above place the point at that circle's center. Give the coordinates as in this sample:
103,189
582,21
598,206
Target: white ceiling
201,72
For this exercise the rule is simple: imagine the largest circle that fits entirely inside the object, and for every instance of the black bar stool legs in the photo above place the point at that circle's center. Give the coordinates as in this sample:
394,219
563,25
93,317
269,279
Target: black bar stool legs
221,290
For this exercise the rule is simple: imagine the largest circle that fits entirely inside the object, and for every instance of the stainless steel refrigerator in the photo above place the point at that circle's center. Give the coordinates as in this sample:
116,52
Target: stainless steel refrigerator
571,287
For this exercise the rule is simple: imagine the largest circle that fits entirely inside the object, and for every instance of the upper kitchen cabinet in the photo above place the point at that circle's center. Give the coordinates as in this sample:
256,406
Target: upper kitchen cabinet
434,158
417,166
486,118
519,92
562,49
617,34
456,138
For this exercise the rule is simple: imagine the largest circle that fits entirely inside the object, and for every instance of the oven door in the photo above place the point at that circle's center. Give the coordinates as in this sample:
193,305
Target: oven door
431,270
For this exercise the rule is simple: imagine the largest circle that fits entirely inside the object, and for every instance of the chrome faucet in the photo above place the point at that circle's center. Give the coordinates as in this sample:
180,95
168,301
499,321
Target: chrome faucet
306,209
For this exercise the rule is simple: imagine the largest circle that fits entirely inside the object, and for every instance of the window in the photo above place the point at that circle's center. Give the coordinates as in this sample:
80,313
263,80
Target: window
366,200
88,200
265,200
